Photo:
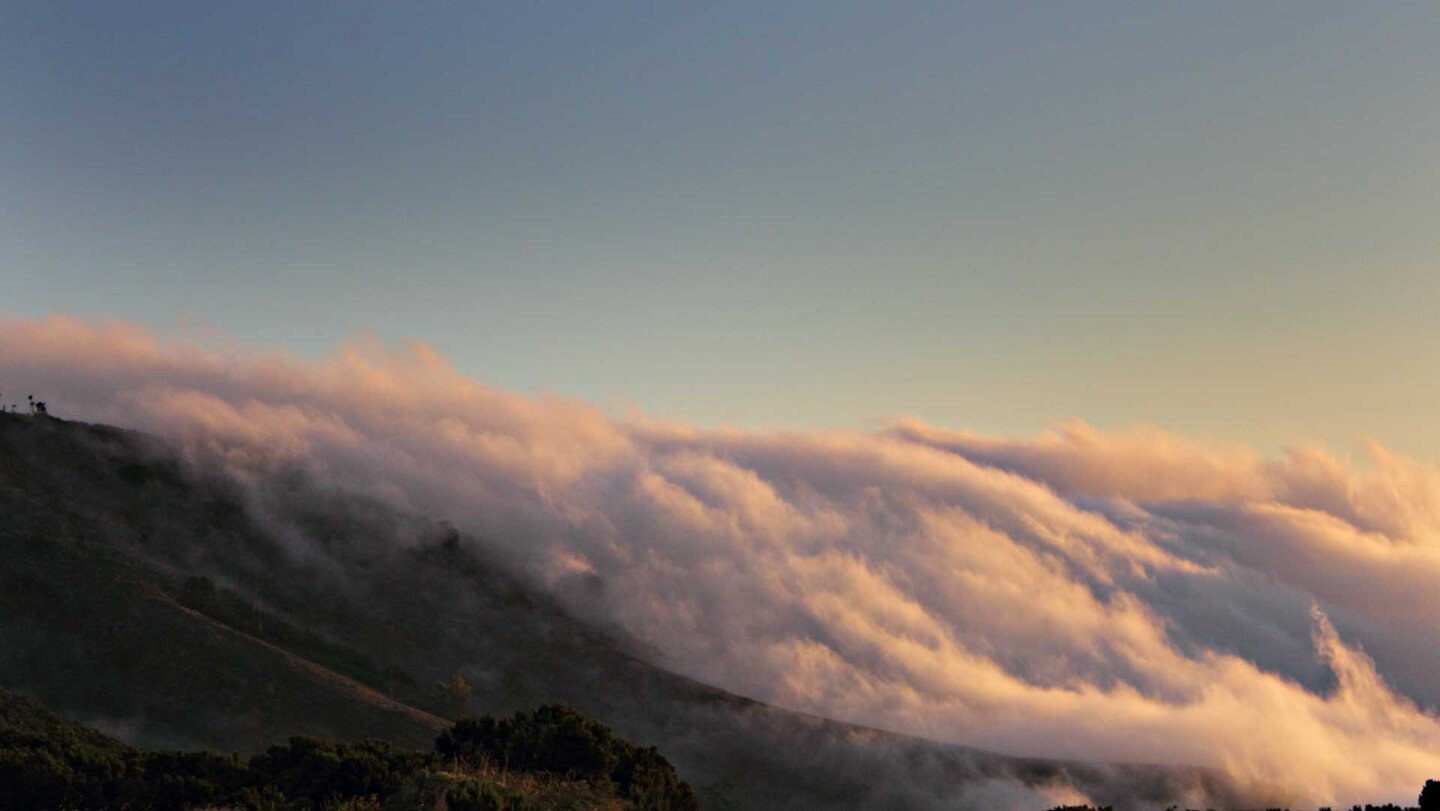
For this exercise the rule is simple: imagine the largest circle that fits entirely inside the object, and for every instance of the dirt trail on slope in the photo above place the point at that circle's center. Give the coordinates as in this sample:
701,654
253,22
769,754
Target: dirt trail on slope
339,682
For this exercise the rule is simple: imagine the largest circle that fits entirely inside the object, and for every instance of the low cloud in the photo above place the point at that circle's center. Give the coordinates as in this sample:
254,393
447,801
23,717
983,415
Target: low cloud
1130,596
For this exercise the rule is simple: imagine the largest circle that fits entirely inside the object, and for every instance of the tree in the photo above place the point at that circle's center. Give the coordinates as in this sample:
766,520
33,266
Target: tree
1430,796
455,692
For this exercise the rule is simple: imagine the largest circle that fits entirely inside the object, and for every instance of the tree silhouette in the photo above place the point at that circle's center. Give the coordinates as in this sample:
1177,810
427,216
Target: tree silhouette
455,693
1430,796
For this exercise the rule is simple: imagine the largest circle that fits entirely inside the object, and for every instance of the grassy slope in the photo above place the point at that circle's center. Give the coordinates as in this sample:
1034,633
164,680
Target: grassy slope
90,626
103,529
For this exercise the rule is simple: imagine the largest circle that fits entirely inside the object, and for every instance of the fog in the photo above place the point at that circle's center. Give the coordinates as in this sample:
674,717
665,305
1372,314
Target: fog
1131,596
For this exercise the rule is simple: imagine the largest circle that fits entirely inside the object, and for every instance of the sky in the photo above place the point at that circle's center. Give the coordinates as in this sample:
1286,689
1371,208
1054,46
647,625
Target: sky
1219,218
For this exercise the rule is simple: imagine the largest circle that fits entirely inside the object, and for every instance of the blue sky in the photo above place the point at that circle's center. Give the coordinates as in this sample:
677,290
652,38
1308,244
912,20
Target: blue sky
1215,217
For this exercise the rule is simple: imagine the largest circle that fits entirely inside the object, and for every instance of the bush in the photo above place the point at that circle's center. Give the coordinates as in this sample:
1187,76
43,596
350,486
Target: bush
555,739
47,763
473,795
326,772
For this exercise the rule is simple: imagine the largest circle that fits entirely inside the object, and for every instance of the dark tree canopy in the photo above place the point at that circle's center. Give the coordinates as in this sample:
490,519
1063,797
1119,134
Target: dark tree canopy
47,763
1430,796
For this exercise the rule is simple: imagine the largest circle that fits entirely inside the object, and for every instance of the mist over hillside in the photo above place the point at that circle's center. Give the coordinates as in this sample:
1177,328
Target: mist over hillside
144,595
1215,608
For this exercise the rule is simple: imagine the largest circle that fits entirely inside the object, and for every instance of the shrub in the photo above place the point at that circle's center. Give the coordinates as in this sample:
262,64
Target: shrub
473,795
46,763
324,771
557,740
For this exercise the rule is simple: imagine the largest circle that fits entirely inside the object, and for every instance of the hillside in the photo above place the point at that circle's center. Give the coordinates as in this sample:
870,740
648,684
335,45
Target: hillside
168,605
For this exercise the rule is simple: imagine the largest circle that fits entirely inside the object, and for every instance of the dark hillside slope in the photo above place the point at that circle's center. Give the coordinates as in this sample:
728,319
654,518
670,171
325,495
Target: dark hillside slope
168,604
89,618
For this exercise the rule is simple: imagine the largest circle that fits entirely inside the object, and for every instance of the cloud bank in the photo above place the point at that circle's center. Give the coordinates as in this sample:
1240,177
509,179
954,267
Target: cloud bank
1128,596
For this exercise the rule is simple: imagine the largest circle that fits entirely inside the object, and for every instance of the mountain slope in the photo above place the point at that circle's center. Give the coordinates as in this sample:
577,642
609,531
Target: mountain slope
177,606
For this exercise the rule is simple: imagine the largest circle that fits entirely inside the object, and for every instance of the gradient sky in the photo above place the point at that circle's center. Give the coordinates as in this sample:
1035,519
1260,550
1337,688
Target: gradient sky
1220,218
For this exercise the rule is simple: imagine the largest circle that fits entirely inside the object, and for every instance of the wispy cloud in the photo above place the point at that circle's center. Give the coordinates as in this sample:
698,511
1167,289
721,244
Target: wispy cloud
1131,596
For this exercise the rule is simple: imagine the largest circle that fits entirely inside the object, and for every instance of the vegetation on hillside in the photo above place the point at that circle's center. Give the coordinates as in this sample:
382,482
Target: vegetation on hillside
1429,800
557,740
552,758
